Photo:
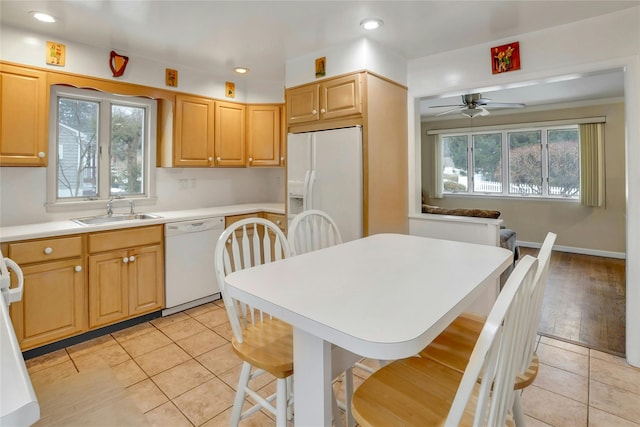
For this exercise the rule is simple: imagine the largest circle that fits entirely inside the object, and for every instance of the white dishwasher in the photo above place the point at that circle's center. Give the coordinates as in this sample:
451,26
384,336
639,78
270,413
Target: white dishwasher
190,278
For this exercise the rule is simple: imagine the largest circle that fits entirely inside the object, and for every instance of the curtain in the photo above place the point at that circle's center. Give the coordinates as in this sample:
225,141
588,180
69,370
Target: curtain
592,164
436,156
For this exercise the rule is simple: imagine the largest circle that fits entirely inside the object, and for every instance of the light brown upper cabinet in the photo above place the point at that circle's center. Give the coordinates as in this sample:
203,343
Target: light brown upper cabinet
23,116
230,134
193,131
264,135
334,98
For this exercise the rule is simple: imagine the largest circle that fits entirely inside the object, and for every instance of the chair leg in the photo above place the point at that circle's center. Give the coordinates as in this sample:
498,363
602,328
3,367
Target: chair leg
243,383
281,402
290,397
348,395
518,414
335,410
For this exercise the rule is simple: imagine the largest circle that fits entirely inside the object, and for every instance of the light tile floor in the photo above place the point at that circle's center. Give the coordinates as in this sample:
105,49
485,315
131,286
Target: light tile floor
181,371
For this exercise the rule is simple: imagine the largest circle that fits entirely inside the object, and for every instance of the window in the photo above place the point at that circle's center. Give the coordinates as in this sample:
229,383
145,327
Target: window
103,144
539,162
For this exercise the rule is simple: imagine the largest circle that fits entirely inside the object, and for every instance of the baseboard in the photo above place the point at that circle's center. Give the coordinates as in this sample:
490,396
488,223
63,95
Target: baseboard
574,250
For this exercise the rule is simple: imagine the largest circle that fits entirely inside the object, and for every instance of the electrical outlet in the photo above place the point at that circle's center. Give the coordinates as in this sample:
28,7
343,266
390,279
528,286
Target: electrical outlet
193,182
183,184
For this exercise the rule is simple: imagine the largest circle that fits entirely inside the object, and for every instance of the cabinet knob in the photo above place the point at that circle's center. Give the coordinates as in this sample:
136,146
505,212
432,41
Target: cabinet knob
78,268
250,159
41,154
132,258
211,159
218,159
48,250
278,222
314,111
322,110
125,260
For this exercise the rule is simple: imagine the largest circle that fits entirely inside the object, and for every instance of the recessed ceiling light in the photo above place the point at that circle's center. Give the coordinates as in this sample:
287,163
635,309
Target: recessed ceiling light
371,23
241,70
42,17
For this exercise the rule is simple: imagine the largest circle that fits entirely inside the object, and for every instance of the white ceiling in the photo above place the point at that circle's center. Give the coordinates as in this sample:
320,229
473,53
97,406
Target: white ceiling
262,35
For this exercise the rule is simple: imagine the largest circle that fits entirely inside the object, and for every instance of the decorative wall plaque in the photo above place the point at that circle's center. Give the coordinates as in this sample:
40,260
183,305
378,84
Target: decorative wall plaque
55,53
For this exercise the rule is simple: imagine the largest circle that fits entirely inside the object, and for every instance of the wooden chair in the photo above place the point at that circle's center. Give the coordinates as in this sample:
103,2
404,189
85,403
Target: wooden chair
453,347
312,230
309,231
420,392
264,343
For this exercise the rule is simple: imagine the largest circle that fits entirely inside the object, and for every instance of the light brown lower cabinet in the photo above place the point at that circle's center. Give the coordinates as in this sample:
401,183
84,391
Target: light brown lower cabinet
52,305
76,283
127,280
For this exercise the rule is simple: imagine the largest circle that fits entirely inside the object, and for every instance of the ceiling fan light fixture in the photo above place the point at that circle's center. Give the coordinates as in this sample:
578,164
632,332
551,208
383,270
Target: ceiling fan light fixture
472,112
371,23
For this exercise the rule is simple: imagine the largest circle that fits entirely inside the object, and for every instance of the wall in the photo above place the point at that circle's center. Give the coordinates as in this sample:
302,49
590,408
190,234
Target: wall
362,54
204,187
605,42
586,229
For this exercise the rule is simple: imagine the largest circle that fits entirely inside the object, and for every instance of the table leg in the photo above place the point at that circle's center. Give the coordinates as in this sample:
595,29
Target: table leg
312,379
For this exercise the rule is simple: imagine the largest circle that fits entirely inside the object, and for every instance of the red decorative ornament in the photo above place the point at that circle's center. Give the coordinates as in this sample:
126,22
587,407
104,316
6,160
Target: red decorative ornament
118,63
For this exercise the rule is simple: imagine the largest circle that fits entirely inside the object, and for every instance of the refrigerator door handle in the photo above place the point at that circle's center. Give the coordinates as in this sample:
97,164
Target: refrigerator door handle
305,191
310,188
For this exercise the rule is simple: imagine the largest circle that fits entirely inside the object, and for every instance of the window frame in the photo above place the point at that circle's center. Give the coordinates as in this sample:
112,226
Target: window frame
506,161
106,100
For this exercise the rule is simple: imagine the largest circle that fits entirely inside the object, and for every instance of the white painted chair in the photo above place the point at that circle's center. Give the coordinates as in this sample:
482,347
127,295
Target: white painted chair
420,392
264,343
312,230
453,347
309,231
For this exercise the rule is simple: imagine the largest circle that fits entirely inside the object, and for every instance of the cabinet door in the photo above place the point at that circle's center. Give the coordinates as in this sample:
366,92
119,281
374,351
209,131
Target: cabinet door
341,97
230,134
108,288
52,305
263,135
302,104
23,116
146,280
193,131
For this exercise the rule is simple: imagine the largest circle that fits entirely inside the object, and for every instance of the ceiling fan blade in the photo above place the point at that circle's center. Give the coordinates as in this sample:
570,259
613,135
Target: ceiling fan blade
448,105
458,108
504,105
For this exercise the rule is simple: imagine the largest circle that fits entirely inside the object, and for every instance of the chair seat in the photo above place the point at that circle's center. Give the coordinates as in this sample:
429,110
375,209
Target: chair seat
267,345
409,392
453,347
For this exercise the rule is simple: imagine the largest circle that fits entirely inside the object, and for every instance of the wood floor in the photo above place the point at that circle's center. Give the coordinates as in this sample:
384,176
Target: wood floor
584,301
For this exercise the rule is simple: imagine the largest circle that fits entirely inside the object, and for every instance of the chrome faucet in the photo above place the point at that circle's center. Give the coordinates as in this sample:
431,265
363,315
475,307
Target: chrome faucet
132,209
110,207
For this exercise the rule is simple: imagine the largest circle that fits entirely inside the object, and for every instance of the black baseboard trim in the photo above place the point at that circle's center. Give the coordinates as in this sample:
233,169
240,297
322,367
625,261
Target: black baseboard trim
67,342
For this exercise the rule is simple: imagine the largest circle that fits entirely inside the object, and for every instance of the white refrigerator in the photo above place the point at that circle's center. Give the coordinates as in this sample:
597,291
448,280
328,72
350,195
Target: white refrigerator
324,171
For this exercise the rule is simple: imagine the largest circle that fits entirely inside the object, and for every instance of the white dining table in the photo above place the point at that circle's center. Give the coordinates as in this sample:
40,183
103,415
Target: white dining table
384,296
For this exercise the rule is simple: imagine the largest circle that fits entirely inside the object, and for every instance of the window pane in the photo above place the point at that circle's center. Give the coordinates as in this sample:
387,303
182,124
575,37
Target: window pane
77,148
487,163
564,162
454,163
525,162
127,160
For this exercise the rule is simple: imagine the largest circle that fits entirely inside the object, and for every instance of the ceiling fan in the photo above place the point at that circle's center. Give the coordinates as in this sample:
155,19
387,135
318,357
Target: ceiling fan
474,104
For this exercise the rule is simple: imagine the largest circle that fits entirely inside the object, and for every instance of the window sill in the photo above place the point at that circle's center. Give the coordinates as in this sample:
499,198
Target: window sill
82,205
511,197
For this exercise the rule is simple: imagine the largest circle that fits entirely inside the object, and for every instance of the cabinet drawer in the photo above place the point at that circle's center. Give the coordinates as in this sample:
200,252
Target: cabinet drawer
228,220
45,250
278,220
122,239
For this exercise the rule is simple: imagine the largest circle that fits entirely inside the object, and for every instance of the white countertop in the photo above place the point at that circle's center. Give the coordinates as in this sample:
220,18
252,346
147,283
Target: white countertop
61,228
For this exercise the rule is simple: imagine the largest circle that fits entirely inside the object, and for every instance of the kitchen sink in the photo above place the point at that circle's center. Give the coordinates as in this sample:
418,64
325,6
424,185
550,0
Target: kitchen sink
105,219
